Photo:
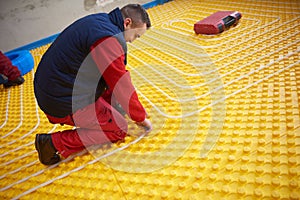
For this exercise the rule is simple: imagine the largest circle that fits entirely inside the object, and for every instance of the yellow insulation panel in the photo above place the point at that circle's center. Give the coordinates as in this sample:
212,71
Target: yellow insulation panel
225,111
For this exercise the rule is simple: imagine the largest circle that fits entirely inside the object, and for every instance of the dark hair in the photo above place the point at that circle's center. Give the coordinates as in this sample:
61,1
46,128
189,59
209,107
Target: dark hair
136,13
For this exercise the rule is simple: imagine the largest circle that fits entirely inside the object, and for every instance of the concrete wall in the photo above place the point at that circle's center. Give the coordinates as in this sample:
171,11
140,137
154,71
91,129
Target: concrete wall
25,21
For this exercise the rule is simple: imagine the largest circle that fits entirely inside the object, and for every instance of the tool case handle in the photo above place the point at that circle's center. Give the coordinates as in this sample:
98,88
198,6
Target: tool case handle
229,21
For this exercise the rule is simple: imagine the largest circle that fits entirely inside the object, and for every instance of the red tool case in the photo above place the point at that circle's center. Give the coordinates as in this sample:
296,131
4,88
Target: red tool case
217,22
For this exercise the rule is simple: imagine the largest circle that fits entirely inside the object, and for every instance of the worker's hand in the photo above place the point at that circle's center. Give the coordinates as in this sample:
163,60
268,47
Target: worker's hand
146,124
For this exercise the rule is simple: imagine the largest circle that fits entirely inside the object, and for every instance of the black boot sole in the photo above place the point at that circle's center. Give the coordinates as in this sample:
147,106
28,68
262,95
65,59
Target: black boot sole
53,160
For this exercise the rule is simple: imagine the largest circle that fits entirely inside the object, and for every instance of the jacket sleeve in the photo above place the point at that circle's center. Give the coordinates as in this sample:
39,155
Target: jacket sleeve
109,57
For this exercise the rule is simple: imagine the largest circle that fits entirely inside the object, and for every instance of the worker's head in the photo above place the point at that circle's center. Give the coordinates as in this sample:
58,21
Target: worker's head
136,21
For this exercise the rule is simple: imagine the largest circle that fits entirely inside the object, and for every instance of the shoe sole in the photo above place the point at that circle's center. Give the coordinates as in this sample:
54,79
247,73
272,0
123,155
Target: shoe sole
37,146
10,84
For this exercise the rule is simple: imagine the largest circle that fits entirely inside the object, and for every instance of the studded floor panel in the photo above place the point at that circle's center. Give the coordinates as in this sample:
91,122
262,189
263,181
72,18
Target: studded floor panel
225,111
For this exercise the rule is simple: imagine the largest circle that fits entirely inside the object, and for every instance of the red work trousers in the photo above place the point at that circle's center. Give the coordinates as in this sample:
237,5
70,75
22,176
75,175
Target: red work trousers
7,69
97,123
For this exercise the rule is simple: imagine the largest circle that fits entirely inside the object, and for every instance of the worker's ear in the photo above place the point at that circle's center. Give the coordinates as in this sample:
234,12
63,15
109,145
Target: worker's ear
127,22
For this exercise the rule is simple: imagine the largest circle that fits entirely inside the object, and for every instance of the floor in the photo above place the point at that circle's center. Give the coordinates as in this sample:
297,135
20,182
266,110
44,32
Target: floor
225,111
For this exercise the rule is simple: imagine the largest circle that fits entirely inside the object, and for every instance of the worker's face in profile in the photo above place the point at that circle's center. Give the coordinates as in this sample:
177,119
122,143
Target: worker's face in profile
133,31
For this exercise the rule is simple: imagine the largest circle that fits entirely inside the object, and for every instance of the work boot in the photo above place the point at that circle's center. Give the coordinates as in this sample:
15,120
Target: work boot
46,150
17,81
3,79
